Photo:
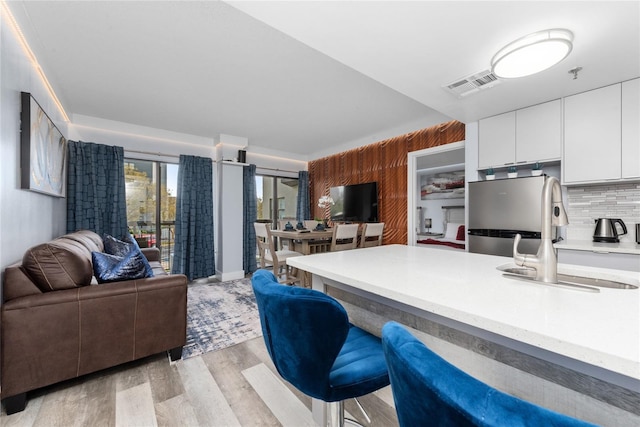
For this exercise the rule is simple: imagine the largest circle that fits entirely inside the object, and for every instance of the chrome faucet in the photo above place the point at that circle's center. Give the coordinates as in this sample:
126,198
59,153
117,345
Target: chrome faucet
545,262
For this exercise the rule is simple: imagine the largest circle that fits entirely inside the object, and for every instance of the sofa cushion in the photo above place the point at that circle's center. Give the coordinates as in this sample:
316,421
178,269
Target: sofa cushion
59,264
111,268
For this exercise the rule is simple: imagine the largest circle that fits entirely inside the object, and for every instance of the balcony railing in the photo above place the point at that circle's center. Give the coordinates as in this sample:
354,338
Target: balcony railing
146,236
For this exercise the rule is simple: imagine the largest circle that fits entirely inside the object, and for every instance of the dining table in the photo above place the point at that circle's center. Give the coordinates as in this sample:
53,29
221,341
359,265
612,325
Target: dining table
306,242
303,240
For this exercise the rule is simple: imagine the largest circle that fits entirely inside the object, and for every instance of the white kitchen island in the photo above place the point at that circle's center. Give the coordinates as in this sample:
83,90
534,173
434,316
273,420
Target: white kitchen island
588,341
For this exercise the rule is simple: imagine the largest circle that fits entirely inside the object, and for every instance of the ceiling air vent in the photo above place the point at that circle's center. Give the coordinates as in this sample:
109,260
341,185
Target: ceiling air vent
472,84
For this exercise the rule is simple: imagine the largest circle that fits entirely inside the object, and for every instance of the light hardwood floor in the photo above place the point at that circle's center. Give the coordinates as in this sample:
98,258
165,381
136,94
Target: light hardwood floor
237,386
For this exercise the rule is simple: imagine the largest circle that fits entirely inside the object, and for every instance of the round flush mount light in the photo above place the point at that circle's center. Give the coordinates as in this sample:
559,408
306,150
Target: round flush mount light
532,54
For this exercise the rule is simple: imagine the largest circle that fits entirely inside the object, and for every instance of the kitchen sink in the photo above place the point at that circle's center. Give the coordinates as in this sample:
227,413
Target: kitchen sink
573,281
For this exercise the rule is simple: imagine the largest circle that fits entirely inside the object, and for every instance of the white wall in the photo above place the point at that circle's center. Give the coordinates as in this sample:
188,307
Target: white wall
140,141
26,218
229,227
270,162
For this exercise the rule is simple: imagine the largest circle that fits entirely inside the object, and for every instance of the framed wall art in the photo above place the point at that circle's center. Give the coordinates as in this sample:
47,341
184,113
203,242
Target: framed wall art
446,185
43,151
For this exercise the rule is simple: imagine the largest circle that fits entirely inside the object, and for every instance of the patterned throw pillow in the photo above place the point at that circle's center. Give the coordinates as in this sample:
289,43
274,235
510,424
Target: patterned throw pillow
113,246
112,268
121,248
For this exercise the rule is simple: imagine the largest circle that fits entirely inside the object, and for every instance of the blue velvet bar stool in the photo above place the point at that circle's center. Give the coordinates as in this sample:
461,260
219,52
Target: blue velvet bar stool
428,390
314,347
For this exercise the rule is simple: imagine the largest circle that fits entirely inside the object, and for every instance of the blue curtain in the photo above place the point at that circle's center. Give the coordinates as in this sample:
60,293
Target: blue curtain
303,209
249,206
96,197
194,254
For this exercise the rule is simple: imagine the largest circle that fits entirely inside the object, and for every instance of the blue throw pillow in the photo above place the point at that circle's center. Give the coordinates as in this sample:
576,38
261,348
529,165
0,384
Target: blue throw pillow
122,248
131,239
134,242
113,246
111,268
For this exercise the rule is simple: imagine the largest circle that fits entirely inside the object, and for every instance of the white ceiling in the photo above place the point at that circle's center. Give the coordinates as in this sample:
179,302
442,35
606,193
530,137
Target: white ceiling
311,78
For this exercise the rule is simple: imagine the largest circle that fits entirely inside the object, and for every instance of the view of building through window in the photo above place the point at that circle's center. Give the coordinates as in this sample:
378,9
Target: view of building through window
151,190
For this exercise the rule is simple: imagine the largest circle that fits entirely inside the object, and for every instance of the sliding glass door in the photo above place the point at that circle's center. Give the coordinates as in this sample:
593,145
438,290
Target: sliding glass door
277,198
151,189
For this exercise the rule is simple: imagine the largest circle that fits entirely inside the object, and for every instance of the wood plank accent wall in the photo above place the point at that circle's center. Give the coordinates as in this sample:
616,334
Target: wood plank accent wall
384,162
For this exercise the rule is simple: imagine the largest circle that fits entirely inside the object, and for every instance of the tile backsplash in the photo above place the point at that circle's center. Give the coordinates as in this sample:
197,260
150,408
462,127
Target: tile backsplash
585,204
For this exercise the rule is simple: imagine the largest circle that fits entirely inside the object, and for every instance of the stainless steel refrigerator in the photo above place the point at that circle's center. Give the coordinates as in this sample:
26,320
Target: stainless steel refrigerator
500,209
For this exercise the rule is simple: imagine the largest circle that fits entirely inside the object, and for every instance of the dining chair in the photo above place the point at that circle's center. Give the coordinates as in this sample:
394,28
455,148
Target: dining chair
314,347
269,256
428,390
282,242
372,235
345,236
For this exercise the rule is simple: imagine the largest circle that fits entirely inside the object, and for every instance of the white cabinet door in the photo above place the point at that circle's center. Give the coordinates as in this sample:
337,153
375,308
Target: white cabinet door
539,132
497,140
592,135
631,129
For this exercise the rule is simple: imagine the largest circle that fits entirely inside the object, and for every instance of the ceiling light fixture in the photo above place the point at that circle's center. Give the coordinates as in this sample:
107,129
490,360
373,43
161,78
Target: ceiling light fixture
532,54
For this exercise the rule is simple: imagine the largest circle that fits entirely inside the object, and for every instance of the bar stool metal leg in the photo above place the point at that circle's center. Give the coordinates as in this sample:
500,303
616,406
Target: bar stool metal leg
336,417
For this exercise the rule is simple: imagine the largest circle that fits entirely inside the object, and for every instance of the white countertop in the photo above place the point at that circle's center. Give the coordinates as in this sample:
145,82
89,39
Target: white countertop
601,329
599,247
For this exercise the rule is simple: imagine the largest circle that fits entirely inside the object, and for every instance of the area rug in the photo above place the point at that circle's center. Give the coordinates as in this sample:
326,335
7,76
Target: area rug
220,315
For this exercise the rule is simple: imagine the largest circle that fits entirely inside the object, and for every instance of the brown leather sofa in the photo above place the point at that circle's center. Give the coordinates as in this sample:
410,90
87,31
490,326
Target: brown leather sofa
58,323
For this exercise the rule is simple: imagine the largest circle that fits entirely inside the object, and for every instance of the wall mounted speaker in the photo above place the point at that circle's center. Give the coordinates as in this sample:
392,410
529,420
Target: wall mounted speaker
242,156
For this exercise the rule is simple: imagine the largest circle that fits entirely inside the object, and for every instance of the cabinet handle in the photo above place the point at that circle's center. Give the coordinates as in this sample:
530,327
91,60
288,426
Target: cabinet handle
510,163
522,161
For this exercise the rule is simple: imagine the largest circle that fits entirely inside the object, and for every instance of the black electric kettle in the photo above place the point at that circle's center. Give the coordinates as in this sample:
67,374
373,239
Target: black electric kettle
606,230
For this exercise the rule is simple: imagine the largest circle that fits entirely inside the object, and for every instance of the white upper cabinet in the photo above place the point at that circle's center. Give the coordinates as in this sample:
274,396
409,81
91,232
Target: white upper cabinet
601,138
592,135
539,132
523,136
497,140
631,129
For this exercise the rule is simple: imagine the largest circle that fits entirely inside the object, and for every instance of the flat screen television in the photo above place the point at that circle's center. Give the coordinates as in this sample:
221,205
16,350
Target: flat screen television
358,202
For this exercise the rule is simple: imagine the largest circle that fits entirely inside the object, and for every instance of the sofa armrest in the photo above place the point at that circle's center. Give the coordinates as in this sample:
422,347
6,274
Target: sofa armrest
152,254
17,284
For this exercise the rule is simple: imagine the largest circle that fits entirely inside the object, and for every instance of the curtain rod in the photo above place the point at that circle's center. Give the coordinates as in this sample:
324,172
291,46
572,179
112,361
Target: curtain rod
214,161
177,156
275,169
152,153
